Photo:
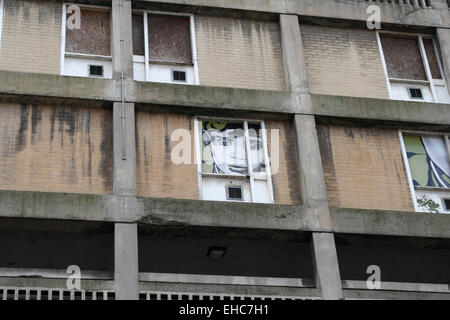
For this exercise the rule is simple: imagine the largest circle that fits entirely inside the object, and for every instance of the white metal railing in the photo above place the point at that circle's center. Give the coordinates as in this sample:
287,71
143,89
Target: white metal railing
16,293
424,4
157,295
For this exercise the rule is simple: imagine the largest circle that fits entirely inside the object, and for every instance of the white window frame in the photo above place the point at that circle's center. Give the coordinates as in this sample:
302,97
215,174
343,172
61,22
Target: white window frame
145,14
65,54
412,188
1,23
252,176
429,82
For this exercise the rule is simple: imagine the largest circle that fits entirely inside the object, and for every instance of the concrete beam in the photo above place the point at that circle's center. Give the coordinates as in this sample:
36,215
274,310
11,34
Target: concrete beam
49,85
124,168
328,278
126,267
355,10
380,109
215,99
177,212
116,45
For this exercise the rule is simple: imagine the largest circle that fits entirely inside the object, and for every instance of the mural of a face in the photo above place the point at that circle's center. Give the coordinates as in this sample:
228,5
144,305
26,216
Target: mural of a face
224,146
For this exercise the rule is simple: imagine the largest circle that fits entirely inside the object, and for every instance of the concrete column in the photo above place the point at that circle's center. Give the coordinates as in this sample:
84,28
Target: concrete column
328,278
124,171
293,54
443,37
127,37
312,180
126,269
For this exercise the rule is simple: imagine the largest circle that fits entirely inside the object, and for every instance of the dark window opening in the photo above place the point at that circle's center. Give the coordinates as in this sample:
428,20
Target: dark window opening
415,93
234,193
95,70
446,202
179,76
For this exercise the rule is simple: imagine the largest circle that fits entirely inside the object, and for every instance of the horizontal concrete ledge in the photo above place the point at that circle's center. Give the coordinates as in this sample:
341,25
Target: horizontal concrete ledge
49,85
53,274
399,286
226,280
351,10
381,109
218,99
392,223
259,291
177,212
197,213
67,206
211,97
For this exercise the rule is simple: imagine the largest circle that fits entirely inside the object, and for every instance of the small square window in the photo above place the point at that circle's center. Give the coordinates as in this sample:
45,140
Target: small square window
95,70
446,203
179,76
415,93
234,193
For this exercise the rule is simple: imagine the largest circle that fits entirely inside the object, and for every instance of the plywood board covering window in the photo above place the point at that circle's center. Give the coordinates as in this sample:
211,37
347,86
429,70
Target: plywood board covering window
169,39
403,58
94,35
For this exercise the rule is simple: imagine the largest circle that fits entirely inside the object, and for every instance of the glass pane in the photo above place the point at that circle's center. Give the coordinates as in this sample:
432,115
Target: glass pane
432,59
428,160
138,34
256,147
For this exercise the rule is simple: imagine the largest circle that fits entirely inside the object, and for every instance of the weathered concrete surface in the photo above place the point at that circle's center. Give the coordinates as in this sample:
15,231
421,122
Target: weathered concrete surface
173,212
391,110
47,85
126,267
67,206
293,55
127,39
219,214
393,223
215,98
124,168
210,97
392,295
328,278
354,10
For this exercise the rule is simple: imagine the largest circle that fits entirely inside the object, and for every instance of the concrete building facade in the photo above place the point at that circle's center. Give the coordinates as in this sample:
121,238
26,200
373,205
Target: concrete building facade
204,150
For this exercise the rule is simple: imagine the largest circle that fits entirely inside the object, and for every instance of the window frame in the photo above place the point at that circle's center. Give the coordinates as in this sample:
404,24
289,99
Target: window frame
412,188
430,81
1,22
252,176
138,58
65,54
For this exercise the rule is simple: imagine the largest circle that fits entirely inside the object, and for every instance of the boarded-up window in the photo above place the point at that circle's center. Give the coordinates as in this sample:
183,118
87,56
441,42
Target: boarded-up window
94,35
432,59
403,58
138,35
169,39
